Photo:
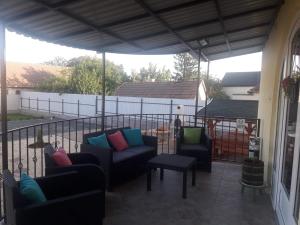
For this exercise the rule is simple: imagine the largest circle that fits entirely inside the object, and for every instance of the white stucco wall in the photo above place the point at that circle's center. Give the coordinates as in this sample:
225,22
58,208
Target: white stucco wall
13,100
202,94
126,105
240,93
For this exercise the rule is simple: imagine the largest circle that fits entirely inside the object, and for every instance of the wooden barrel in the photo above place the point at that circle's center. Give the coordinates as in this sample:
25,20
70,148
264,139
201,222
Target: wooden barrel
253,172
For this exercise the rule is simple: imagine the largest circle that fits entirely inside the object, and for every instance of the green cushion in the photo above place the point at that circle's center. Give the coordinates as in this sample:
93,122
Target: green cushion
191,135
99,141
30,189
133,136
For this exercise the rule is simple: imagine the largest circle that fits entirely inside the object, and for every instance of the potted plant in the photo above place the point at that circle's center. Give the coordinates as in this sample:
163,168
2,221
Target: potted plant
290,84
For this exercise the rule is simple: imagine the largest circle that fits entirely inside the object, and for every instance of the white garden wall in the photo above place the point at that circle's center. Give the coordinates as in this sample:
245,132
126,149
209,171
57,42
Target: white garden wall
88,105
13,101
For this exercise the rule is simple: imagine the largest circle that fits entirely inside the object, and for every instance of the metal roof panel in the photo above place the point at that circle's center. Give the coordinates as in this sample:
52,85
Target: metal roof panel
128,27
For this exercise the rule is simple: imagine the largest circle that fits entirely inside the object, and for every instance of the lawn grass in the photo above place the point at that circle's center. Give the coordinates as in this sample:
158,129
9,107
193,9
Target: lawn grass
18,116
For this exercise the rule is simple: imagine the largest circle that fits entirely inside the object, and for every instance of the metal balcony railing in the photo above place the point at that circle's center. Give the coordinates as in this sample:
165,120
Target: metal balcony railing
25,144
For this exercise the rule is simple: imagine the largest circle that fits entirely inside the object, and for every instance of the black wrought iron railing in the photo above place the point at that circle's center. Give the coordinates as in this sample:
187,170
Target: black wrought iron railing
25,144
26,152
79,108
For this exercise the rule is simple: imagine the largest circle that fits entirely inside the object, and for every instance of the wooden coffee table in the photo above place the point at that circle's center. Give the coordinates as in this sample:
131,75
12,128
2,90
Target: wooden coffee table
172,162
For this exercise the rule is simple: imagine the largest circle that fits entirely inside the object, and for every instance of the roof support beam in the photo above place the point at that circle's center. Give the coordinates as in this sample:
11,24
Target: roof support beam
202,23
218,8
74,34
107,25
238,40
85,22
237,49
168,27
210,21
214,35
39,11
160,11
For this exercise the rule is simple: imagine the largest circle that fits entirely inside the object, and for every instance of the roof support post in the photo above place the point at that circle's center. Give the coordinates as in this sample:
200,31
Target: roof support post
206,93
3,97
197,90
103,92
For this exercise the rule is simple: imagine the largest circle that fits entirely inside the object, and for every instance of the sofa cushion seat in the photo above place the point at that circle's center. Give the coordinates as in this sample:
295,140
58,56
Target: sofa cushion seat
194,150
131,152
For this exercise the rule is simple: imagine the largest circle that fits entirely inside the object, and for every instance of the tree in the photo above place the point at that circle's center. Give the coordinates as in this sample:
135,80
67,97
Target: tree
115,76
57,61
215,89
185,67
55,84
135,76
164,75
83,76
151,73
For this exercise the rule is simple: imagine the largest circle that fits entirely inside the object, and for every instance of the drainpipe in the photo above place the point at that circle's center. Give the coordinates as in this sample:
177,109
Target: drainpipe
103,93
3,98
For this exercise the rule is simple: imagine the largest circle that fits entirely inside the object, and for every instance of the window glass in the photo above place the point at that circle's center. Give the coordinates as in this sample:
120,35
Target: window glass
291,89
296,73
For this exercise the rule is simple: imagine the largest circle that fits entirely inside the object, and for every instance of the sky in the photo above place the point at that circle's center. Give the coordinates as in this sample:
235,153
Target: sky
27,50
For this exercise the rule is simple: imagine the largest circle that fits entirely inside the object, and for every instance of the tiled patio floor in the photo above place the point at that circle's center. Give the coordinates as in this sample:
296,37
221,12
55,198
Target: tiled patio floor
215,200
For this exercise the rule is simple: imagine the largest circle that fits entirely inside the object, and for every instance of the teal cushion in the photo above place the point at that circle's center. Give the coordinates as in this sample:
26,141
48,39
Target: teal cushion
30,189
99,141
191,135
133,136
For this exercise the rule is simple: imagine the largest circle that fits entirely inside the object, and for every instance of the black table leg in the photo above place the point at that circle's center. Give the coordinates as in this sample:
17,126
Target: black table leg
194,175
161,173
184,184
149,179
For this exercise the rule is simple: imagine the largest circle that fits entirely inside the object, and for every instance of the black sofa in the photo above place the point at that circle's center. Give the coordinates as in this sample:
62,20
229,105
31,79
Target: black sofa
70,201
202,151
120,166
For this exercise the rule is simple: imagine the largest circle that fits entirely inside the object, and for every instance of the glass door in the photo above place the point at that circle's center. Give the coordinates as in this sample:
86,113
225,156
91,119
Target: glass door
287,207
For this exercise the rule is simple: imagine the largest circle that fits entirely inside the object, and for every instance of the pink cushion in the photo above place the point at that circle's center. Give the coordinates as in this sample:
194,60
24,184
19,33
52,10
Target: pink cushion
118,141
61,158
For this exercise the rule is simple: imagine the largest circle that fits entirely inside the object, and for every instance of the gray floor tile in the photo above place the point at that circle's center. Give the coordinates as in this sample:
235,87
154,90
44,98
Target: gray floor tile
216,200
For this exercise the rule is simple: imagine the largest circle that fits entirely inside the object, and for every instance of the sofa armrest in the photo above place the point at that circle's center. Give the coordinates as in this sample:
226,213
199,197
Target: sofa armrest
90,176
67,210
83,158
104,155
59,185
150,141
208,143
178,144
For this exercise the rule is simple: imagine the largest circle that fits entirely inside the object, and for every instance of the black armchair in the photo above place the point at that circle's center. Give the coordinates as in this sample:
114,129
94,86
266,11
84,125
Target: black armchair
201,151
70,201
79,160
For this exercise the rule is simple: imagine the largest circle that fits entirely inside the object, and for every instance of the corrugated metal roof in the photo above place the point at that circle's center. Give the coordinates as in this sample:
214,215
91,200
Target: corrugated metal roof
241,79
146,26
179,90
231,109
